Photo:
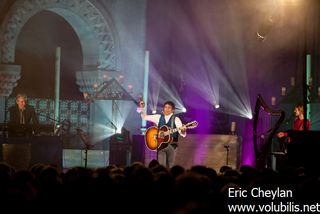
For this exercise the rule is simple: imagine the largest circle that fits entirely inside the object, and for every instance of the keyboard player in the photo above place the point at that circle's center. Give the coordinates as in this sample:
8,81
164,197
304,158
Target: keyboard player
23,120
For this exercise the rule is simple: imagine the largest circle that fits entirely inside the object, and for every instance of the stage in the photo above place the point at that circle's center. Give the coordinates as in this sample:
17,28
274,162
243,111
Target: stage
209,150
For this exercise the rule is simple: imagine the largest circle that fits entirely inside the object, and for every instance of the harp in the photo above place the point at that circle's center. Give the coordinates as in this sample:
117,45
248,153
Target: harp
262,140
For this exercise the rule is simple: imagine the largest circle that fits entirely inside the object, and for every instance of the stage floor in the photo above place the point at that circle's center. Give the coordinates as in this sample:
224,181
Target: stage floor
209,150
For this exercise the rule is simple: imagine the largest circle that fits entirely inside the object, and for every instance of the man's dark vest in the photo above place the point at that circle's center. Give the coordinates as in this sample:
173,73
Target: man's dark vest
171,124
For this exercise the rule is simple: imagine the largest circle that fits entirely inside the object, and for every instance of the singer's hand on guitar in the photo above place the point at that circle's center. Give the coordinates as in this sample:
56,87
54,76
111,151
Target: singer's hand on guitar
183,129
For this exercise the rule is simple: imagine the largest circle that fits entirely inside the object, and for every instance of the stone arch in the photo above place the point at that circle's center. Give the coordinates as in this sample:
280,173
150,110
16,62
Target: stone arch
92,28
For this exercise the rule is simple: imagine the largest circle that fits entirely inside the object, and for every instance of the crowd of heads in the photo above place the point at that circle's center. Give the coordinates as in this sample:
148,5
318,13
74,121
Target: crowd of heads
142,188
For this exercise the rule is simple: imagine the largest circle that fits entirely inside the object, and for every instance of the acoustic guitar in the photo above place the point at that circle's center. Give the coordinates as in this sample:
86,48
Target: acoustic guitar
162,137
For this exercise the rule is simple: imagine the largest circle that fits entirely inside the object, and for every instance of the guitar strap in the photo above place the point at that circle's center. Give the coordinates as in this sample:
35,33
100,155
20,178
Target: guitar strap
173,118
172,121
159,129
159,122
159,125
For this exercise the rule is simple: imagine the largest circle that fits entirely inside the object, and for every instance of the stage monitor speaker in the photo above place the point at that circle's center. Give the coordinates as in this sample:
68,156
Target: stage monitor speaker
17,155
118,150
138,148
23,153
47,150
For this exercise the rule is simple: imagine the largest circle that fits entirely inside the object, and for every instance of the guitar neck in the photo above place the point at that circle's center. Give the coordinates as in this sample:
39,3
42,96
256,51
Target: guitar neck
171,131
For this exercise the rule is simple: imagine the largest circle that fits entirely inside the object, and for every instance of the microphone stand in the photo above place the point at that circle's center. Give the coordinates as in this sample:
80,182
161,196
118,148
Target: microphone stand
114,126
86,143
65,122
85,156
227,148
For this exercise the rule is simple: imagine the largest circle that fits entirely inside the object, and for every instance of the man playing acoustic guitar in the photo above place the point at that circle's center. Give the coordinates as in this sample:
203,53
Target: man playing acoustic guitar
166,152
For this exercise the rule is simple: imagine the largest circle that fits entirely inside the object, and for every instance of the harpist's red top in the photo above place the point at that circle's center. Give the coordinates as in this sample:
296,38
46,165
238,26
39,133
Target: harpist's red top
298,125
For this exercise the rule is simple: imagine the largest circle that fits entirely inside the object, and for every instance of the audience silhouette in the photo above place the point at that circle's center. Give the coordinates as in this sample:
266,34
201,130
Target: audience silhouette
146,188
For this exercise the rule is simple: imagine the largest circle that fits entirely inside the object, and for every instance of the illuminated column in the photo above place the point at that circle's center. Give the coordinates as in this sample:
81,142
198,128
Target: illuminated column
145,87
57,87
309,84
